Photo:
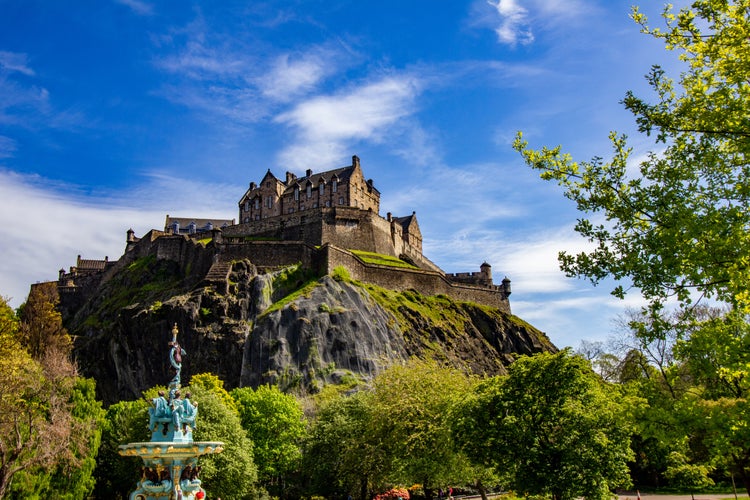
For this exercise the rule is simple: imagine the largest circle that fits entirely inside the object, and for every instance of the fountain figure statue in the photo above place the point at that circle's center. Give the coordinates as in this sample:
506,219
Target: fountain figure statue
171,457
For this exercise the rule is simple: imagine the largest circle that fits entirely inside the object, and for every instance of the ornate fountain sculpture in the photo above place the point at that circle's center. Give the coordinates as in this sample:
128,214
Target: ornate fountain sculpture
170,459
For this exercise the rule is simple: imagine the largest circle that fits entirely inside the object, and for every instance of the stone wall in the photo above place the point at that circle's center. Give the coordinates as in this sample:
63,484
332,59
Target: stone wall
344,227
424,281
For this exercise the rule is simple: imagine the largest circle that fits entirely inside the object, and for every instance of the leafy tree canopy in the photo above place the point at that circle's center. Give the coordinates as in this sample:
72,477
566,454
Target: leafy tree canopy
553,425
275,424
678,226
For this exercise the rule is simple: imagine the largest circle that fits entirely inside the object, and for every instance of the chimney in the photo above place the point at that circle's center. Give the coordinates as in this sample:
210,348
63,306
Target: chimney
308,172
355,161
290,178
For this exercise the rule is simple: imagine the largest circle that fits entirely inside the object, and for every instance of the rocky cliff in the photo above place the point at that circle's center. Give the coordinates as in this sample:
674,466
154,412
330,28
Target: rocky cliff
289,328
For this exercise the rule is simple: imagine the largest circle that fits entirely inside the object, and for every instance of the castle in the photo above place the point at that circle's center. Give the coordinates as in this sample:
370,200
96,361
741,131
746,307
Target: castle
322,220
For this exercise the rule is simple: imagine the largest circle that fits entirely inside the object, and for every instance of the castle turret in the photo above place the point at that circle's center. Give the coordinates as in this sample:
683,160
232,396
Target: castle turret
506,286
485,271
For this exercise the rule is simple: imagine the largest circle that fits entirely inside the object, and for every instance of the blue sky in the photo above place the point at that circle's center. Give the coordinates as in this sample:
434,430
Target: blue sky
116,113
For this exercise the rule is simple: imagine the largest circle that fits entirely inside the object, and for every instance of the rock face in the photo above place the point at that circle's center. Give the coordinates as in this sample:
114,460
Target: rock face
287,328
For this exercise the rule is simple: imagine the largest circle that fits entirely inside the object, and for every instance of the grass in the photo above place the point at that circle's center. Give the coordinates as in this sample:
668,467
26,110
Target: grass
382,260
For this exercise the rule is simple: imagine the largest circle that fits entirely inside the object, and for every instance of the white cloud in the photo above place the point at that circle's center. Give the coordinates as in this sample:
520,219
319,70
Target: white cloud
15,62
514,24
325,124
57,226
138,6
290,76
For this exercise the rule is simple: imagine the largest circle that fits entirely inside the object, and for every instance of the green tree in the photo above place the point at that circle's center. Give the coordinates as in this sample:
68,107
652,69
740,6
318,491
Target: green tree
680,224
231,473
552,425
341,457
411,409
275,424
124,422
677,225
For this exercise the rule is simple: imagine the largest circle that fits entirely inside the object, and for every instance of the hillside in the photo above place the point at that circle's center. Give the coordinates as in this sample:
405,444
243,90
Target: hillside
288,327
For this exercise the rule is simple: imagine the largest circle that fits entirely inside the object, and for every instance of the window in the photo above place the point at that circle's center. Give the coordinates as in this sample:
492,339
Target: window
309,190
269,201
335,185
296,193
247,206
257,203
315,205
247,219
322,189
328,203
341,200
291,210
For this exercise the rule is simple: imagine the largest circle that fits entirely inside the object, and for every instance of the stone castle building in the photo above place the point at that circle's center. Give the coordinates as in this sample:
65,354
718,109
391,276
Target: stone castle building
322,220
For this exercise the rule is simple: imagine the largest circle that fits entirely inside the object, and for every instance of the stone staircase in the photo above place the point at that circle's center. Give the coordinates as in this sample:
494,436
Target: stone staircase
218,276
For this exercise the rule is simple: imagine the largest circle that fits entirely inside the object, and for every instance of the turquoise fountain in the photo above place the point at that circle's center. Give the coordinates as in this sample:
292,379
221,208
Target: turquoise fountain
170,470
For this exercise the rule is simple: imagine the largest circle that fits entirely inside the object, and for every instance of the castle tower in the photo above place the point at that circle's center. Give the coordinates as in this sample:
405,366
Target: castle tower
485,270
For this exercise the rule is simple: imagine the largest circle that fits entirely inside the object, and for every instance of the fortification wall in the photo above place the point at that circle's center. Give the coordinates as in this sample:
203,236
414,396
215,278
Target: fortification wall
344,227
267,255
425,282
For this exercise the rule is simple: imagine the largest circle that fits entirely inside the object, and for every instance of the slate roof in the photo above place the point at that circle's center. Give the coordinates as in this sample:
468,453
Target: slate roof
200,224
343,174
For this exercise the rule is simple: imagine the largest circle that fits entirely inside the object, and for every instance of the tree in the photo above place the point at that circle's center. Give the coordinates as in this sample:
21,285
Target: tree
678,227
37,427
41,324
553,425
124,422
231,473
275,424
68,480
341,457
411,409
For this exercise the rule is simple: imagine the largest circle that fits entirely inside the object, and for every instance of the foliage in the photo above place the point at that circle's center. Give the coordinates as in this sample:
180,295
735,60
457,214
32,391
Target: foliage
411,406
275,424
215,385
679,224
340,457
552,424
124,422
393,494
38,429
340,273
677,227
41,324
231,473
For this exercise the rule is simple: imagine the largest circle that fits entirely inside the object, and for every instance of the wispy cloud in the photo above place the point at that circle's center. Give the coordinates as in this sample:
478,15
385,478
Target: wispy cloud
515,22
139,7
291,75
325,124
15,62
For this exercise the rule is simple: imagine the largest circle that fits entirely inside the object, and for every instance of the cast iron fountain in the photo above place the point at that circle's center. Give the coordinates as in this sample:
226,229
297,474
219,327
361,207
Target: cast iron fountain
170,459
